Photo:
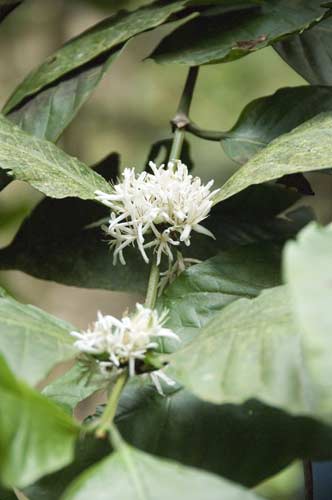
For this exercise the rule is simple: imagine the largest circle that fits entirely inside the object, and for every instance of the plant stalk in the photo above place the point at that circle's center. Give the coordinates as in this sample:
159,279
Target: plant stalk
110,410
181,119
308,480
152,290
209,135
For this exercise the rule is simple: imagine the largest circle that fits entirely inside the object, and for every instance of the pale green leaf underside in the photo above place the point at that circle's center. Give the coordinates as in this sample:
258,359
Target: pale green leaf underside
44,166
306,148
254,349
36,437
308,270
134,475
31,340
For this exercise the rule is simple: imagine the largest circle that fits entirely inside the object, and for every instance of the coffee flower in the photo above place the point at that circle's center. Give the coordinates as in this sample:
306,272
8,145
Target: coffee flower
157,210
117,344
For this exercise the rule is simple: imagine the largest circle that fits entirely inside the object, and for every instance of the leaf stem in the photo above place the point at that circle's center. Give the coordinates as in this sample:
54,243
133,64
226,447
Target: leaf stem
110,410
152,290
308,480
209,135
181,119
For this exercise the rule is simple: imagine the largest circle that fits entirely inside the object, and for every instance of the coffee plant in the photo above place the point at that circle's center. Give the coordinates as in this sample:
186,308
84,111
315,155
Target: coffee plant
223,376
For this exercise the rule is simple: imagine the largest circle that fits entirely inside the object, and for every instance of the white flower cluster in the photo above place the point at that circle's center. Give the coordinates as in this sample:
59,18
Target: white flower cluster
120,343
157,210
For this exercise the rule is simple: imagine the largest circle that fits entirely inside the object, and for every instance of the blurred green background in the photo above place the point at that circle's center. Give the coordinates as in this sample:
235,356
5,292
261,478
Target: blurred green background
130,110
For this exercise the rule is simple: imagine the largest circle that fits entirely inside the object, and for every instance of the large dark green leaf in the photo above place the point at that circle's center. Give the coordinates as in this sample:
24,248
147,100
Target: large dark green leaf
134,475
45,166
255,349
36,437
204,289
98,41
306,148
229,432
219,38
310,53
80,257
266,118
31,340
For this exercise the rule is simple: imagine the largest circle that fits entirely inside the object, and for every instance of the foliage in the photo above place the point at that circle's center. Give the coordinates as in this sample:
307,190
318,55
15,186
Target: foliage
250,361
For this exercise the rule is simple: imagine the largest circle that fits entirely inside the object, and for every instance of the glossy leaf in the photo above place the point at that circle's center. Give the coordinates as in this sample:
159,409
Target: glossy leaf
99,40
80,257
255,349
204,289
48,113
133,475
306,148
266,118
45,166
229,432
225,37
310,53
36,437
309,274
31,340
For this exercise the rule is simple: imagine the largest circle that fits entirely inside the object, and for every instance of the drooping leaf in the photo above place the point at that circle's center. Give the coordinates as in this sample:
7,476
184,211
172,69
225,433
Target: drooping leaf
308,270
49,112
306,148
73,387
204,289
36,437
98,41
79,256
31,340
220,38
255,349
133,475
45,166
266,118
310,53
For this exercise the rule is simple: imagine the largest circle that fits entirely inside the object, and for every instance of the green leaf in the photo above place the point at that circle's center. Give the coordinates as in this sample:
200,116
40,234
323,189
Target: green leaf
78,256
31,340
226,37
266,118
306,148
229,432
44,166
99,40
48,113
89,450
36,437
254,349
310,53
204,289
74,386
133,475
308,271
